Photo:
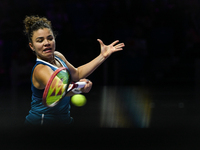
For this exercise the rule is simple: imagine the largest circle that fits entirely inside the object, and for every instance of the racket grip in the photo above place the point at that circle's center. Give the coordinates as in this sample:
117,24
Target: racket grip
80,84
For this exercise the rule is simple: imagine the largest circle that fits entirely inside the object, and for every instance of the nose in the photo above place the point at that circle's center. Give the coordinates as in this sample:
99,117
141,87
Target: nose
46,42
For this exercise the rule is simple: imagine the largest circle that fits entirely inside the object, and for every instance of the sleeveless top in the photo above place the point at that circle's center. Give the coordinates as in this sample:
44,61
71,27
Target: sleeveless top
38,108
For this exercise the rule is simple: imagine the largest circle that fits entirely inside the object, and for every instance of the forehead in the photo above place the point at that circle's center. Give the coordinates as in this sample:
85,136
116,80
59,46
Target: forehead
42,33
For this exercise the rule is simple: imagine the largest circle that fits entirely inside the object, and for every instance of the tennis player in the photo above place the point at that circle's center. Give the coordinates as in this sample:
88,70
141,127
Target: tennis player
42,42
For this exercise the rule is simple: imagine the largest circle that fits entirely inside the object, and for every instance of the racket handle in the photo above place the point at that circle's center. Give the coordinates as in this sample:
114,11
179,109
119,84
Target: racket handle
80,84
77,87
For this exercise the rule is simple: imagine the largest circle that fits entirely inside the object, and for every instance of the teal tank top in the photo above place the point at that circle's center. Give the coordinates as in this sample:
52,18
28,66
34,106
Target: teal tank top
38,111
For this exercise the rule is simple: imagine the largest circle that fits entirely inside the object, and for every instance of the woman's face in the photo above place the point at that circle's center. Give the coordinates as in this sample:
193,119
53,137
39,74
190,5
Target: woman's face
43,43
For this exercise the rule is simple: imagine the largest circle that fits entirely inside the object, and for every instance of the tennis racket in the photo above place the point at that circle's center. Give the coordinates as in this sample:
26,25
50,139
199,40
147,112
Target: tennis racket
58,86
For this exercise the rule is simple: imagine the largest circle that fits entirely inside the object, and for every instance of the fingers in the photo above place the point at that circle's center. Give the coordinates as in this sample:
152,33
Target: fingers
88,81
87,87
85,80
119,45
115,42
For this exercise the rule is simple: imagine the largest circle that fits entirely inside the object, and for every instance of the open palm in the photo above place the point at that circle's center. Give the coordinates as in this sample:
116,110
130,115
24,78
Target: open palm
107,50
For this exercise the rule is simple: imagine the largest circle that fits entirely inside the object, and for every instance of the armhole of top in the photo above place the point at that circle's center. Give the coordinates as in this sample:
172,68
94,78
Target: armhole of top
62,62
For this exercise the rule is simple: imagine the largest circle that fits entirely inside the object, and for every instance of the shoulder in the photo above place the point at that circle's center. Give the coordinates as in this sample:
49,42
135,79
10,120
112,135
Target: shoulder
41,71
41,75
60,55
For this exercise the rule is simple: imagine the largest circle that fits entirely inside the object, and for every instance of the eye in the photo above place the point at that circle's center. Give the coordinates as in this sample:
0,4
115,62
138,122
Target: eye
50,38
39,40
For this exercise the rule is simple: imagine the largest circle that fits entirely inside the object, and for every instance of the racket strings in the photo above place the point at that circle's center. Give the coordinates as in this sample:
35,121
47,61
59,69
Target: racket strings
57,87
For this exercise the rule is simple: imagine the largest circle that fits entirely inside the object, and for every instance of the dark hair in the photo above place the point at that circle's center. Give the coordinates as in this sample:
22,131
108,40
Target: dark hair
33,23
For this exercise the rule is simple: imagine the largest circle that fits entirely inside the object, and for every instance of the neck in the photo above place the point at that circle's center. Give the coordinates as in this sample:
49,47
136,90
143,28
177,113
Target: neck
49,60
53,61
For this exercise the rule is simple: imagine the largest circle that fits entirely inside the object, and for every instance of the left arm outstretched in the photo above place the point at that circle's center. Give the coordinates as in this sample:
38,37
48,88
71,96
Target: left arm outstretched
86,69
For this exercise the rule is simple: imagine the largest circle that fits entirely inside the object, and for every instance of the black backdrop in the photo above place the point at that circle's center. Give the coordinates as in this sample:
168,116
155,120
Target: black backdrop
161,55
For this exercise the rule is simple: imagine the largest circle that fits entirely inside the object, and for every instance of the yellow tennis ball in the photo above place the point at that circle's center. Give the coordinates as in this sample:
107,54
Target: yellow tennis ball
78,100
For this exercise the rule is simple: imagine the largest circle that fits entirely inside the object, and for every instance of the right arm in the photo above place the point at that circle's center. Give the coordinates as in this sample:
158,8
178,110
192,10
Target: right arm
42,74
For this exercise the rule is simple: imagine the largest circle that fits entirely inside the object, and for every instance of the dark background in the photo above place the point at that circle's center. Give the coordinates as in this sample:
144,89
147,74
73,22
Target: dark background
161,38
152,84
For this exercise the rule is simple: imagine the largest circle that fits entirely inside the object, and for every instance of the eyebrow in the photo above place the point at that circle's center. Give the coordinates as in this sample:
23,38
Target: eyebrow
39,38
43,37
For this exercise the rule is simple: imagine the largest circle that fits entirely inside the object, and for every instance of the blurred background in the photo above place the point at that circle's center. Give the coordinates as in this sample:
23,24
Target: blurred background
153,83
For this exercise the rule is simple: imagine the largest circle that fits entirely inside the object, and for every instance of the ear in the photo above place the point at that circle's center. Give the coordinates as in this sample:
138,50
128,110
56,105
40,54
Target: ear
31,46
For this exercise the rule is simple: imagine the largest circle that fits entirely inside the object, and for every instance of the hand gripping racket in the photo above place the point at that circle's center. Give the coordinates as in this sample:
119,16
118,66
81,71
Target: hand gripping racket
58,86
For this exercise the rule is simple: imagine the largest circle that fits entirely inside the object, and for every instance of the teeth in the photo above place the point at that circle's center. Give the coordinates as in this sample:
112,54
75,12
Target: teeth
47,49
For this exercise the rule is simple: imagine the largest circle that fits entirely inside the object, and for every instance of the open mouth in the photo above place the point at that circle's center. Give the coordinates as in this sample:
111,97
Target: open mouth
47,50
